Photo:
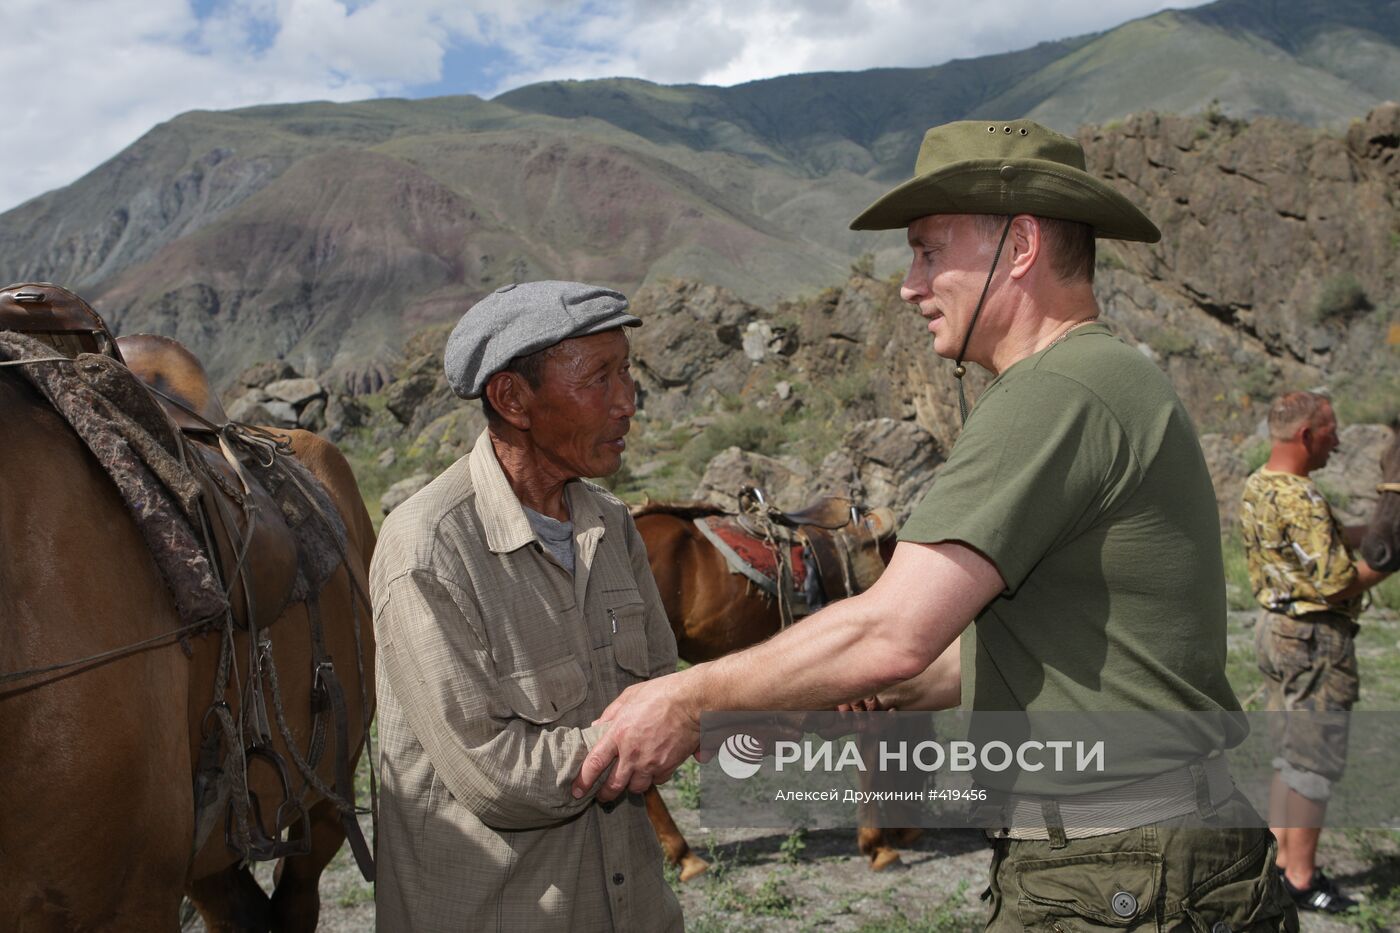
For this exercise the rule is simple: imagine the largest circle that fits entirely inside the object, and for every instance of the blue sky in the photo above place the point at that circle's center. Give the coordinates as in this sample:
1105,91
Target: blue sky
103,72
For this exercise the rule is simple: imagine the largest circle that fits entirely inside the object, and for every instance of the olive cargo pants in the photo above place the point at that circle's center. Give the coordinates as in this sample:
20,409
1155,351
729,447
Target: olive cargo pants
1178,875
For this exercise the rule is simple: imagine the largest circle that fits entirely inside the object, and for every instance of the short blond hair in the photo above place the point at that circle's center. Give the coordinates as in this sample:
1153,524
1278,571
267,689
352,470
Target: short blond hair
1293,410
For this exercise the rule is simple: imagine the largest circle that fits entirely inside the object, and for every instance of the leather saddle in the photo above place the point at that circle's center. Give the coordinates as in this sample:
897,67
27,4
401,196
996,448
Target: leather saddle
250,537
843,539
239,515
58,317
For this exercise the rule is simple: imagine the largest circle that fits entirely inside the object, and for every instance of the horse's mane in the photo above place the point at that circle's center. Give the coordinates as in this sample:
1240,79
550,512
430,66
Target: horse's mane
690,508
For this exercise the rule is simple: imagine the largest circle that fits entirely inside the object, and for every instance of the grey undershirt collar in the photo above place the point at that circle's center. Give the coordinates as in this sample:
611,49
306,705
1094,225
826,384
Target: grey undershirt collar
556,536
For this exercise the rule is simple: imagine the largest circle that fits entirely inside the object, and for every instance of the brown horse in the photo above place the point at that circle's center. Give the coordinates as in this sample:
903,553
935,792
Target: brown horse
98,829
713,612
1381,546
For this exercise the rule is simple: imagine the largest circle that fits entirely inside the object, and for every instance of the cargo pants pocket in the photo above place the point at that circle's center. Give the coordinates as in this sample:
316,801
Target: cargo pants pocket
1091,892
1247,897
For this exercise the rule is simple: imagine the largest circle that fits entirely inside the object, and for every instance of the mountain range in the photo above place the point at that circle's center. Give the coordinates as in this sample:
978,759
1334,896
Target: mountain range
326,233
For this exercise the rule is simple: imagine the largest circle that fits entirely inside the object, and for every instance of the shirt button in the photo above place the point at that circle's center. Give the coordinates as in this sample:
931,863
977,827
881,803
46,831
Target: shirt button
1124,904
618,879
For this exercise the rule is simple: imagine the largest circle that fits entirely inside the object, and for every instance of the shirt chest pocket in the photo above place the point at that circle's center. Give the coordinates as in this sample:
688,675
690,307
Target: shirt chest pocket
627,614
544,694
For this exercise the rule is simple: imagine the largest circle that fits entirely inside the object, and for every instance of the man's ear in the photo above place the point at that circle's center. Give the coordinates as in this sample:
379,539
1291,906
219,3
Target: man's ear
1024,242
510,395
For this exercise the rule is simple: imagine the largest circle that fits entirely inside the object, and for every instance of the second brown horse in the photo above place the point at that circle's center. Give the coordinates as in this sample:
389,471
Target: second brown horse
713,612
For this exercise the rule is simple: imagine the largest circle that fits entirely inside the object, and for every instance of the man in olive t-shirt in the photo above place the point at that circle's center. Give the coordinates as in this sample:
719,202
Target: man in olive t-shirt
1074,522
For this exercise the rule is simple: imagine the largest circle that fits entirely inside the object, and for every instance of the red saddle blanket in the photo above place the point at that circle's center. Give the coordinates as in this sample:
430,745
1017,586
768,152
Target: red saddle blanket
754,552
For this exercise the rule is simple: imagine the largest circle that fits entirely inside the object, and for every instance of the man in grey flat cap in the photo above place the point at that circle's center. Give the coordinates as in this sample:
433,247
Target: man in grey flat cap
1067,557
512,602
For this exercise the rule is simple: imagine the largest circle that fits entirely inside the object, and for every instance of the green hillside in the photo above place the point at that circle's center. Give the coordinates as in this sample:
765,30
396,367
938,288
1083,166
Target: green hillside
324,233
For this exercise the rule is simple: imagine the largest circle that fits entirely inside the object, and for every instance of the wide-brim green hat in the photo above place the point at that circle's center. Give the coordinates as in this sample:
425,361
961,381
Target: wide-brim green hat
1020,167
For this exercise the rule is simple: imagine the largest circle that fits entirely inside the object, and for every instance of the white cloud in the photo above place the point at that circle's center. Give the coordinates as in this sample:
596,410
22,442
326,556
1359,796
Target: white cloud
82,79
732,41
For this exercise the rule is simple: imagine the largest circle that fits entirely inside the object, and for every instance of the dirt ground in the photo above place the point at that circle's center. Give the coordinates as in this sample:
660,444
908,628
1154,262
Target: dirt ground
776,882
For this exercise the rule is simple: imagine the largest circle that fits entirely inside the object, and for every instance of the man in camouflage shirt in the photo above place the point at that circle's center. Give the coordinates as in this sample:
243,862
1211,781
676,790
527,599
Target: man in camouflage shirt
1311,587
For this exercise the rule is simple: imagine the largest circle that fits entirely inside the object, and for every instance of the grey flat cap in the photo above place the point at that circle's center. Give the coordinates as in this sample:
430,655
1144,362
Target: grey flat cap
516,320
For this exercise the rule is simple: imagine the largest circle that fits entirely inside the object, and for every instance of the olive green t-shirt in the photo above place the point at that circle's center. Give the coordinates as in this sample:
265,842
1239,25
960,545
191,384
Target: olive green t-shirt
1079,474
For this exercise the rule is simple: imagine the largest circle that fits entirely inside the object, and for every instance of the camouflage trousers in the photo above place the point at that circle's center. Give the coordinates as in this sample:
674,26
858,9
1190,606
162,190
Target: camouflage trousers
1309,666
1178,875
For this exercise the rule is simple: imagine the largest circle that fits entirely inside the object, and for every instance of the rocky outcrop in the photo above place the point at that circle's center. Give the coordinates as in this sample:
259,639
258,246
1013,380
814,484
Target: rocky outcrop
882,462
690,353
1278,252
276,395
785,482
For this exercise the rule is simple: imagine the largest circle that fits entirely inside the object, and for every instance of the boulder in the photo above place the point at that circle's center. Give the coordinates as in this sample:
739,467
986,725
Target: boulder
312,416
343,413
397,494
784,481
451,435
295,391
758,336
260,374
283,414
883,462
249,409
404,396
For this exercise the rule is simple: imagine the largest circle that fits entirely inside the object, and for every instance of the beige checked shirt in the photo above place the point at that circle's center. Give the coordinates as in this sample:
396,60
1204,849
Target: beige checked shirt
493,662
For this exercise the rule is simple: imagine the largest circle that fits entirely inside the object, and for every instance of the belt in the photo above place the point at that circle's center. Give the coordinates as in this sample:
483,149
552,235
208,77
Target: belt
1193,788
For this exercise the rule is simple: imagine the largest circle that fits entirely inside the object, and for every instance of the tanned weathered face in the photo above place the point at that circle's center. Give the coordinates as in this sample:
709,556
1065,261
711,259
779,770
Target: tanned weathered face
583,408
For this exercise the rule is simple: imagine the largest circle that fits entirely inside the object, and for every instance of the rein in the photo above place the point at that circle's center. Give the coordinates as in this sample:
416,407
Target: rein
95,659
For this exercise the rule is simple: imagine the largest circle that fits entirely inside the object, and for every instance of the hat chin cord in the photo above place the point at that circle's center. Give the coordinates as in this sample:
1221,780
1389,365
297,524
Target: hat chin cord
960,370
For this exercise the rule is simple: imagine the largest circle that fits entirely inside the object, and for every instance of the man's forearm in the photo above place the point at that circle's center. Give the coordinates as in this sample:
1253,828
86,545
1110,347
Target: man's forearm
862,645
1366,577
840,653
939,686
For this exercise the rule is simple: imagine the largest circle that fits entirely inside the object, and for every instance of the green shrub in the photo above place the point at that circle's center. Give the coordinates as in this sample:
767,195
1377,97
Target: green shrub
1340,297
752,429
1373,399
1257,381
791,849
1169,341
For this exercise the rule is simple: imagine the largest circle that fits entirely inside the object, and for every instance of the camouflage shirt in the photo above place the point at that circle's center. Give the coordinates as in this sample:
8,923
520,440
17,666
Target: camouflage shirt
1294,546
